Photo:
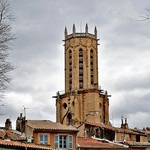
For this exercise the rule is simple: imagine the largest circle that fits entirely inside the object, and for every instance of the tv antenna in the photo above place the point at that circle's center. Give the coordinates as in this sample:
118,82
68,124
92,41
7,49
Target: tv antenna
24,109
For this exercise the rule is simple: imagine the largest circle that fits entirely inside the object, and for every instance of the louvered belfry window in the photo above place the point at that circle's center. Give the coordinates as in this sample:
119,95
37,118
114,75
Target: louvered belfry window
91,64
70,70
81,69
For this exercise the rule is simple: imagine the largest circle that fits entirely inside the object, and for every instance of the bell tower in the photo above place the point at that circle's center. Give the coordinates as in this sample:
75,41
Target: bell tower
82,99
81,60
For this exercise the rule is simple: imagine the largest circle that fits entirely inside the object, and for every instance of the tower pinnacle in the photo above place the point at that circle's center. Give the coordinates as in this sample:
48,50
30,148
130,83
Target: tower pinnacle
95,32
74,30
86,29
65,32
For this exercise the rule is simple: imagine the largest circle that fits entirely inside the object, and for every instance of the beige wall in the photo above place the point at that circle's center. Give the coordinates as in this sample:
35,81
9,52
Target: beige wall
86,44
88,106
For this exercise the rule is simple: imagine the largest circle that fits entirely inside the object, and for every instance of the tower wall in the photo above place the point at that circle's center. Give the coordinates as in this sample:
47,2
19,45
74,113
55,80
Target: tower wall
72,61
82,100
83,106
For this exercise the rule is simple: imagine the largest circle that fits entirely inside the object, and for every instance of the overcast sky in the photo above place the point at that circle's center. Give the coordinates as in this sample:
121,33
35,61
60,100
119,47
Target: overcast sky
124,56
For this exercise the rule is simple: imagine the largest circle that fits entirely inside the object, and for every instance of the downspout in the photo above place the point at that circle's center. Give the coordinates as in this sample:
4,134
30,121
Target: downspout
76,142
115,135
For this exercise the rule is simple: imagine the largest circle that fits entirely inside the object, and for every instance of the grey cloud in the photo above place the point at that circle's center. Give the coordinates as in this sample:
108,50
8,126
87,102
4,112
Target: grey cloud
132,104
39,53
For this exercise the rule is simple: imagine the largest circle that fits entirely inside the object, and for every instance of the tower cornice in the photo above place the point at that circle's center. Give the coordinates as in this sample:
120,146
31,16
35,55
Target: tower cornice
80,35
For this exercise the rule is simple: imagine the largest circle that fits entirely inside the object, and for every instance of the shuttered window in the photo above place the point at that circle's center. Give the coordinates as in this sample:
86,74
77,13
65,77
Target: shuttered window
56,141
70,141
43,139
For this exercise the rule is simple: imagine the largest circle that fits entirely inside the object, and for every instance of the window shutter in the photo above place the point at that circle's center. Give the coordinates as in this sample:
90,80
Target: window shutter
56,141
46,139
41,139
70,141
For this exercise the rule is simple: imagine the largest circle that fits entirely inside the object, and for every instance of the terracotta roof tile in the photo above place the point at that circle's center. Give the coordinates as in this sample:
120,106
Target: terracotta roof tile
132,131
10,134
18,144
93,143
142,144
48,125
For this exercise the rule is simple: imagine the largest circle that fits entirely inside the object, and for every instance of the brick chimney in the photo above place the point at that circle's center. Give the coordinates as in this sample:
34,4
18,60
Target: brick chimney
124,125
8,124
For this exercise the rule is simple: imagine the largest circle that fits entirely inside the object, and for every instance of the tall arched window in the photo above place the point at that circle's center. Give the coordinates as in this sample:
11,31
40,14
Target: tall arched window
81,69
91,64
70,70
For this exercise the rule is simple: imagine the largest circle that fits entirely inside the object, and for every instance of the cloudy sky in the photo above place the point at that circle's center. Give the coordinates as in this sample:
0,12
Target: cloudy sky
124,56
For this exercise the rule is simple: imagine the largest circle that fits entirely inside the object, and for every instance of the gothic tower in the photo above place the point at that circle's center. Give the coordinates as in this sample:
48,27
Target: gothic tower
82,99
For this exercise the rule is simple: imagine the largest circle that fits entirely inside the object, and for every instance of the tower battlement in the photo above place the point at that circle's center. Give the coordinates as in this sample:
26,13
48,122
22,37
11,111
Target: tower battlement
80,35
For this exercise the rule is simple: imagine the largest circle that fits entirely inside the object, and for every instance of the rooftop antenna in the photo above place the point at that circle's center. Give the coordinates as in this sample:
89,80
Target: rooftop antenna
24,109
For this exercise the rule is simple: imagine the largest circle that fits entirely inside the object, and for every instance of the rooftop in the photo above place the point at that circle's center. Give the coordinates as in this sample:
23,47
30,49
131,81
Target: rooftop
94,143
11,134
137,144
49,125
19,145
131,131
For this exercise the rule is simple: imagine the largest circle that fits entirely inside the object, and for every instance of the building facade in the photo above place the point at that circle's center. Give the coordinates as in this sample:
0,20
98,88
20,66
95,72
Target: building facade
82,100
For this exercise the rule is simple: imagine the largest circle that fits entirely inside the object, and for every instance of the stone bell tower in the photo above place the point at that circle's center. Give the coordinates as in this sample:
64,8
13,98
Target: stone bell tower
82,99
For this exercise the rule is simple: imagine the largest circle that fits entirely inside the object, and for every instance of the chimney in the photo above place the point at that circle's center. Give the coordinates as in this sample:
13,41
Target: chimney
8,124
122,123
126,124
20,115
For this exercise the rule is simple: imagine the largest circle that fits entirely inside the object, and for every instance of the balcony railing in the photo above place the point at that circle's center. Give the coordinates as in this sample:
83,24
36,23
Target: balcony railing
81,78
80,53
80,71
80,58
81,35
80,65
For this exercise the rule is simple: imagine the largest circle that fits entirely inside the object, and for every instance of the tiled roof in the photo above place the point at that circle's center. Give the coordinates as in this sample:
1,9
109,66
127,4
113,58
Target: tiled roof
10,134
48,125
20,145
131,131
93,143
138,144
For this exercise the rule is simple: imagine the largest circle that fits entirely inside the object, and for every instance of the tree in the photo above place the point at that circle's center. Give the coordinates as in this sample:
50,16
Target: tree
145,17
6,39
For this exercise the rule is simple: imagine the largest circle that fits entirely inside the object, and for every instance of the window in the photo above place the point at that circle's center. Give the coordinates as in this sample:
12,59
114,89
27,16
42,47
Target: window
91,60
63,141
123,138
70,69
43,139
80,69
137,138
65,105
